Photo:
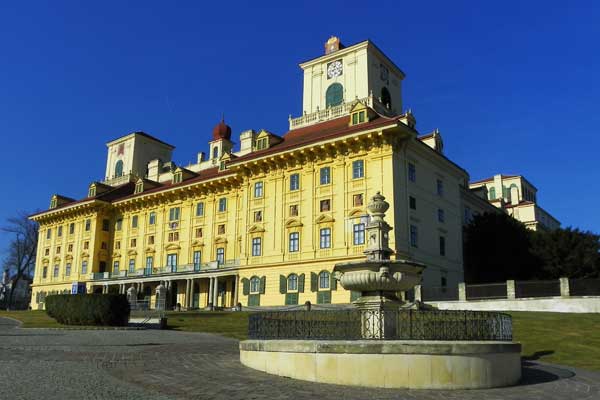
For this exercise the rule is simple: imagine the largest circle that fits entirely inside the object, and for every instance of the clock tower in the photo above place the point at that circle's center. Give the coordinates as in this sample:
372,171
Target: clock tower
345,74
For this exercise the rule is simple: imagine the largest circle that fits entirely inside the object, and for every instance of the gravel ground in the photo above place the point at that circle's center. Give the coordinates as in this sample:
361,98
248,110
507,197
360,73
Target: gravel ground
150,364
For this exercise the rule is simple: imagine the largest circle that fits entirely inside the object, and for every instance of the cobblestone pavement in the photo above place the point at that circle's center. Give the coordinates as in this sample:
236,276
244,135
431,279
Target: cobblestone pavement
59,364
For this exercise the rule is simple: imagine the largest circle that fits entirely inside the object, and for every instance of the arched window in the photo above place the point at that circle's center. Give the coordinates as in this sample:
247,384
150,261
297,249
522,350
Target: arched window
254,284
334,95
492,193
119,168
386,99
215,152
324,280
292,282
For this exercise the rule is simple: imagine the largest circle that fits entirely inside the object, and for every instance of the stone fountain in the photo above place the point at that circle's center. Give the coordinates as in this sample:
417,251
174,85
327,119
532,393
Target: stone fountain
384,342
378,278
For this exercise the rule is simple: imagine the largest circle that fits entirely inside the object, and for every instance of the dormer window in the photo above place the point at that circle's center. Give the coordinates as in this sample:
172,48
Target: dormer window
177,177
359,117
262,143
92,191
53,202
222,166
139,187
215,153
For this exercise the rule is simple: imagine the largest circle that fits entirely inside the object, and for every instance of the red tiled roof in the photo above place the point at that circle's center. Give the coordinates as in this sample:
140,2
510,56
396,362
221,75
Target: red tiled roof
315,133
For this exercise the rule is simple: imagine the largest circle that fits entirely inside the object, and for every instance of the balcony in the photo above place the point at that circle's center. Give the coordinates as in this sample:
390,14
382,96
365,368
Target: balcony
166,270
336,112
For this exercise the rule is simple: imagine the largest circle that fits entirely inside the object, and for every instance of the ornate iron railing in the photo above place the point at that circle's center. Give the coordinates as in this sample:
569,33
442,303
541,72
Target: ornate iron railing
388,325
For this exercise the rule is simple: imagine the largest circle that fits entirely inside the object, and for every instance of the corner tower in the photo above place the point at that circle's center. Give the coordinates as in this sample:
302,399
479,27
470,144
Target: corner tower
129,156
345,74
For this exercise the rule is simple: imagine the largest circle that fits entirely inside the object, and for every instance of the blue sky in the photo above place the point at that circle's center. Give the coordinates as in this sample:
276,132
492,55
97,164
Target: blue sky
514,87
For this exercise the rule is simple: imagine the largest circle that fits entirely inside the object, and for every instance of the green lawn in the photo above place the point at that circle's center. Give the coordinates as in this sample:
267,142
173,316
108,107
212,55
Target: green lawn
32,319
229,324
567,339
561,338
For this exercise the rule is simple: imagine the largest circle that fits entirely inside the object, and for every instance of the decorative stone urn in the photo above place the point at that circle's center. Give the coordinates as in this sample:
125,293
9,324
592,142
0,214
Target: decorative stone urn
132,295
161,296
378,278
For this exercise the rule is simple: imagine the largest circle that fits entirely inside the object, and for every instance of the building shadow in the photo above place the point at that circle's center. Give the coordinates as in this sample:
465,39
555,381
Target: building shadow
534,373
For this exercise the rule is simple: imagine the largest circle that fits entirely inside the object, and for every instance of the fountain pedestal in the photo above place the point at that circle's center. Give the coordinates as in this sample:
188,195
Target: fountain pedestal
378,278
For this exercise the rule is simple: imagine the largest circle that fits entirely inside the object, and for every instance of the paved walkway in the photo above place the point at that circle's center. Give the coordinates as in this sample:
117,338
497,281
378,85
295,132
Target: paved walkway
57,364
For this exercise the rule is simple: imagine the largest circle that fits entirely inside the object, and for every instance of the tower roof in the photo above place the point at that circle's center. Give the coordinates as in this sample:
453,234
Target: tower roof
222,131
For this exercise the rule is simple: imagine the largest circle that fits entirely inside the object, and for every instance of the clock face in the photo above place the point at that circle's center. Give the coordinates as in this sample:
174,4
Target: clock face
384,73
334,69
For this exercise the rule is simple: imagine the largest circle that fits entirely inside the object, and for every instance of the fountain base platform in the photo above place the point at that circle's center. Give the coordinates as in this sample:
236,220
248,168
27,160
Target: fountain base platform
412,364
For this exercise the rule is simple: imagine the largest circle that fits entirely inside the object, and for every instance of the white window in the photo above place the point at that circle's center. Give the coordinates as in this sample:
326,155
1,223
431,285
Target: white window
116,267
412,172
324,279
152,218
256,246
325,176
358,169
222,204
68,269
358,231
172,260
294,242
197,258
414,236
258,189
84,265
131,265
254,284
221,255
292,282
174,214
325,238
294,182
199,209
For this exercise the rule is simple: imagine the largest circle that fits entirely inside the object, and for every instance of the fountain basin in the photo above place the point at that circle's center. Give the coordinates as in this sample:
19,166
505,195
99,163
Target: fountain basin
412,364
379,276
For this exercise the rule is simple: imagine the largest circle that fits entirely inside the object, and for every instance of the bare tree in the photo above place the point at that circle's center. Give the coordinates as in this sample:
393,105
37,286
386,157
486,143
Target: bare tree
20,258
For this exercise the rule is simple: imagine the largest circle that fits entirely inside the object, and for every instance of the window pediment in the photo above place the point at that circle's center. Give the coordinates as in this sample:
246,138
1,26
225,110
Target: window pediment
56,258
150,250
256,229
293,223
132,252
220,239
324,218
172,246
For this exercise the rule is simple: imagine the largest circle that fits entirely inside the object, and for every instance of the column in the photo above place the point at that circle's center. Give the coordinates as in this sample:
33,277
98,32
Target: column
462,291
565,291
216,291
418,293
209,300
510,290
236,283
187,294
191,302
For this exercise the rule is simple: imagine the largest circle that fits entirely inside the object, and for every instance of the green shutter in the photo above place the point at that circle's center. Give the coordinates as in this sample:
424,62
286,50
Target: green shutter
254,300
282,284
291,299
245,286
324,297
314,281
263,283
301,283
332,281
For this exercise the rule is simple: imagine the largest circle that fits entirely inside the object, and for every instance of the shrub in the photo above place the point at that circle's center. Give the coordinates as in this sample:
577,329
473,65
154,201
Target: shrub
89,309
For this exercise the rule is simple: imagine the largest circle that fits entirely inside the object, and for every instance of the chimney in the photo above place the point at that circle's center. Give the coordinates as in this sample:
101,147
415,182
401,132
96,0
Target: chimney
333,44
154,169
201,157
246,141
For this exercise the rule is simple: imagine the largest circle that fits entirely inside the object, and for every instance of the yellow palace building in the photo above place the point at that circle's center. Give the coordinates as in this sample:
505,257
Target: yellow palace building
264,224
